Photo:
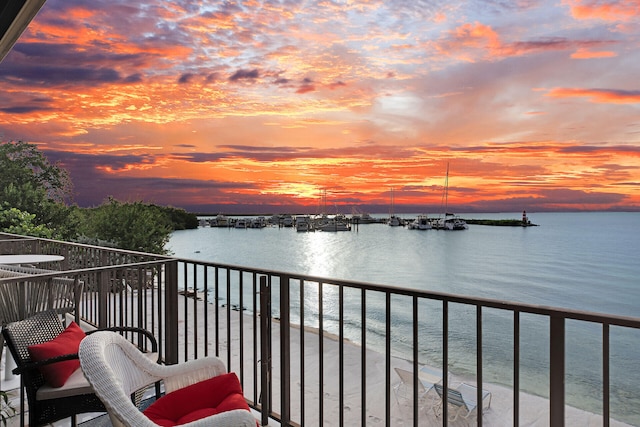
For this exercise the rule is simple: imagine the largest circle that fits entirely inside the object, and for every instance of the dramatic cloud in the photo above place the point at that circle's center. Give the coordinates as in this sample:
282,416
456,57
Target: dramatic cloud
244,75
599,95
622,10
532,104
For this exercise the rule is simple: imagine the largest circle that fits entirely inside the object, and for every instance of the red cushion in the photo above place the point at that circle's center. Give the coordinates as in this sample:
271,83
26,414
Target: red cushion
68,342
199,400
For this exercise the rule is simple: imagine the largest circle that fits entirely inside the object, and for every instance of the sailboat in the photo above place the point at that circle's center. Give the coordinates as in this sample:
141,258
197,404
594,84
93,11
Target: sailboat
337,222
394,221
449,221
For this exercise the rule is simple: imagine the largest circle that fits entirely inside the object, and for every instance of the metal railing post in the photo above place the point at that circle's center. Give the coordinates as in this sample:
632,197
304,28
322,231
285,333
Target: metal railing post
479,395
171,312
516,369
606,372
557,371
102,278
285,352
265,350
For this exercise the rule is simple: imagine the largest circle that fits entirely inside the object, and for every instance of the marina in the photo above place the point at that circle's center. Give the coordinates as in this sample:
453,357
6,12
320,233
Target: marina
306,222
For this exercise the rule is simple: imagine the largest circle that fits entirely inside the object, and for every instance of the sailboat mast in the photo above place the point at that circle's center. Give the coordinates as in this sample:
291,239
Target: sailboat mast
392,210
444,204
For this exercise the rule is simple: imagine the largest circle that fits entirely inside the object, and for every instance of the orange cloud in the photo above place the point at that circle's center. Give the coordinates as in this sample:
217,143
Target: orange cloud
474,42
470,42
606,96
587,54
624,10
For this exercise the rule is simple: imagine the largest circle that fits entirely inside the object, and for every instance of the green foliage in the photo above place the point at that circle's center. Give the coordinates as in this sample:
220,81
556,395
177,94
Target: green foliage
181,219
30,184
32,202
134,226
24,166
15,221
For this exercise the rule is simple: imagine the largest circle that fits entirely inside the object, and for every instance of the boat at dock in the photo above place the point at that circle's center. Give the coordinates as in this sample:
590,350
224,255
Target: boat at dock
304,223
219,221
358,217
336,223
422,222
449,221
393,221
259,222
287,221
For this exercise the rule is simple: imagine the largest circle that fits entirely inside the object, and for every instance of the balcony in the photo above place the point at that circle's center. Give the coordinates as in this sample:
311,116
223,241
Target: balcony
266,326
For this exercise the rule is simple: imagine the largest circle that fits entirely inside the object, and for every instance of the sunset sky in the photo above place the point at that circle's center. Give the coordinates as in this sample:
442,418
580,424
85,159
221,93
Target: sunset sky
263,106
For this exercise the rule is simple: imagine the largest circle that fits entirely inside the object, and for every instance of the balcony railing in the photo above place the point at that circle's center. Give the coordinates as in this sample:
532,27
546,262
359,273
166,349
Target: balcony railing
315,351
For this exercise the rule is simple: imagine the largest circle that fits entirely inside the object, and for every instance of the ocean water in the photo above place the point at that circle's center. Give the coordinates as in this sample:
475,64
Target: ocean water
586,261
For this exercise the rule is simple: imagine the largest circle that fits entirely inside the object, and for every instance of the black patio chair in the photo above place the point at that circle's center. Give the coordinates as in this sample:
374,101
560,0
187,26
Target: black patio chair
48,404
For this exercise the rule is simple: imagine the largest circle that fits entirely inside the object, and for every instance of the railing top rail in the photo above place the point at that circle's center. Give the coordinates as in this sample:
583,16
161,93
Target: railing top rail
19,239
56,273
11,238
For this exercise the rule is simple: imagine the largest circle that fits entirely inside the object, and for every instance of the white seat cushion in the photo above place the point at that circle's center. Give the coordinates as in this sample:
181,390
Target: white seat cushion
76,384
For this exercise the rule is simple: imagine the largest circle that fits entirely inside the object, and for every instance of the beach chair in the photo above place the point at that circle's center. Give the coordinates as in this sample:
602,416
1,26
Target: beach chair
404,389
462,400
199,392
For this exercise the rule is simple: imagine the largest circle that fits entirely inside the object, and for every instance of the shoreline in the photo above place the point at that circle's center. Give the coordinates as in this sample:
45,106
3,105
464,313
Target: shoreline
534,410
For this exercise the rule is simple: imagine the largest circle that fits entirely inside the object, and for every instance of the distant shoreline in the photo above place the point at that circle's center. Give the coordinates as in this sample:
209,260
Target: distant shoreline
380,219
500,222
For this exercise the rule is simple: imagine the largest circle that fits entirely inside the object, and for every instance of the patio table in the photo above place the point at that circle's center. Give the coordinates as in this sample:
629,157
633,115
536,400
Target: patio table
29,259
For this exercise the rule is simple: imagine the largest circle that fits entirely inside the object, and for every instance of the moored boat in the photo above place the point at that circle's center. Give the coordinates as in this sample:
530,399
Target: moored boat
219,221
336,223
287,221
366,218
303,223
394,221
420,223
449,221
259,222
358,217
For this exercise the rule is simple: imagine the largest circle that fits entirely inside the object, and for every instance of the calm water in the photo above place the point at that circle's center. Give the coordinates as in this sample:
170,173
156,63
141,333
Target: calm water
585,261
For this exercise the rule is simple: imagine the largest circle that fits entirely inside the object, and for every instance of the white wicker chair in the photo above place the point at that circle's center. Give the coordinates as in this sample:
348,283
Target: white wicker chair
116,369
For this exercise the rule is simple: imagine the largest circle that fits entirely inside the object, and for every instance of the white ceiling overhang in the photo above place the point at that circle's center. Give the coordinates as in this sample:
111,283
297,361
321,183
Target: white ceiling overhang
15,16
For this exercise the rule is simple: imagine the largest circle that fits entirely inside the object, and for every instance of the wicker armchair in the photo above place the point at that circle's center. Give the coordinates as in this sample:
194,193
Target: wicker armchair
116,369
48,404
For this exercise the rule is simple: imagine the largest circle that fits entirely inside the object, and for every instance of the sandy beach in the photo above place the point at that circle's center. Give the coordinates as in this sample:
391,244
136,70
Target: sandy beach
534,410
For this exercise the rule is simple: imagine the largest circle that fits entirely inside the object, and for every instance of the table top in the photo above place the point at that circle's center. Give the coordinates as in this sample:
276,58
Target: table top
29,259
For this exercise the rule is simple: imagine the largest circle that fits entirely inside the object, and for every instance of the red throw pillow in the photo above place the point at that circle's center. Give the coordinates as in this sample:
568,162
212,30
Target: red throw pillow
68,342
199,400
